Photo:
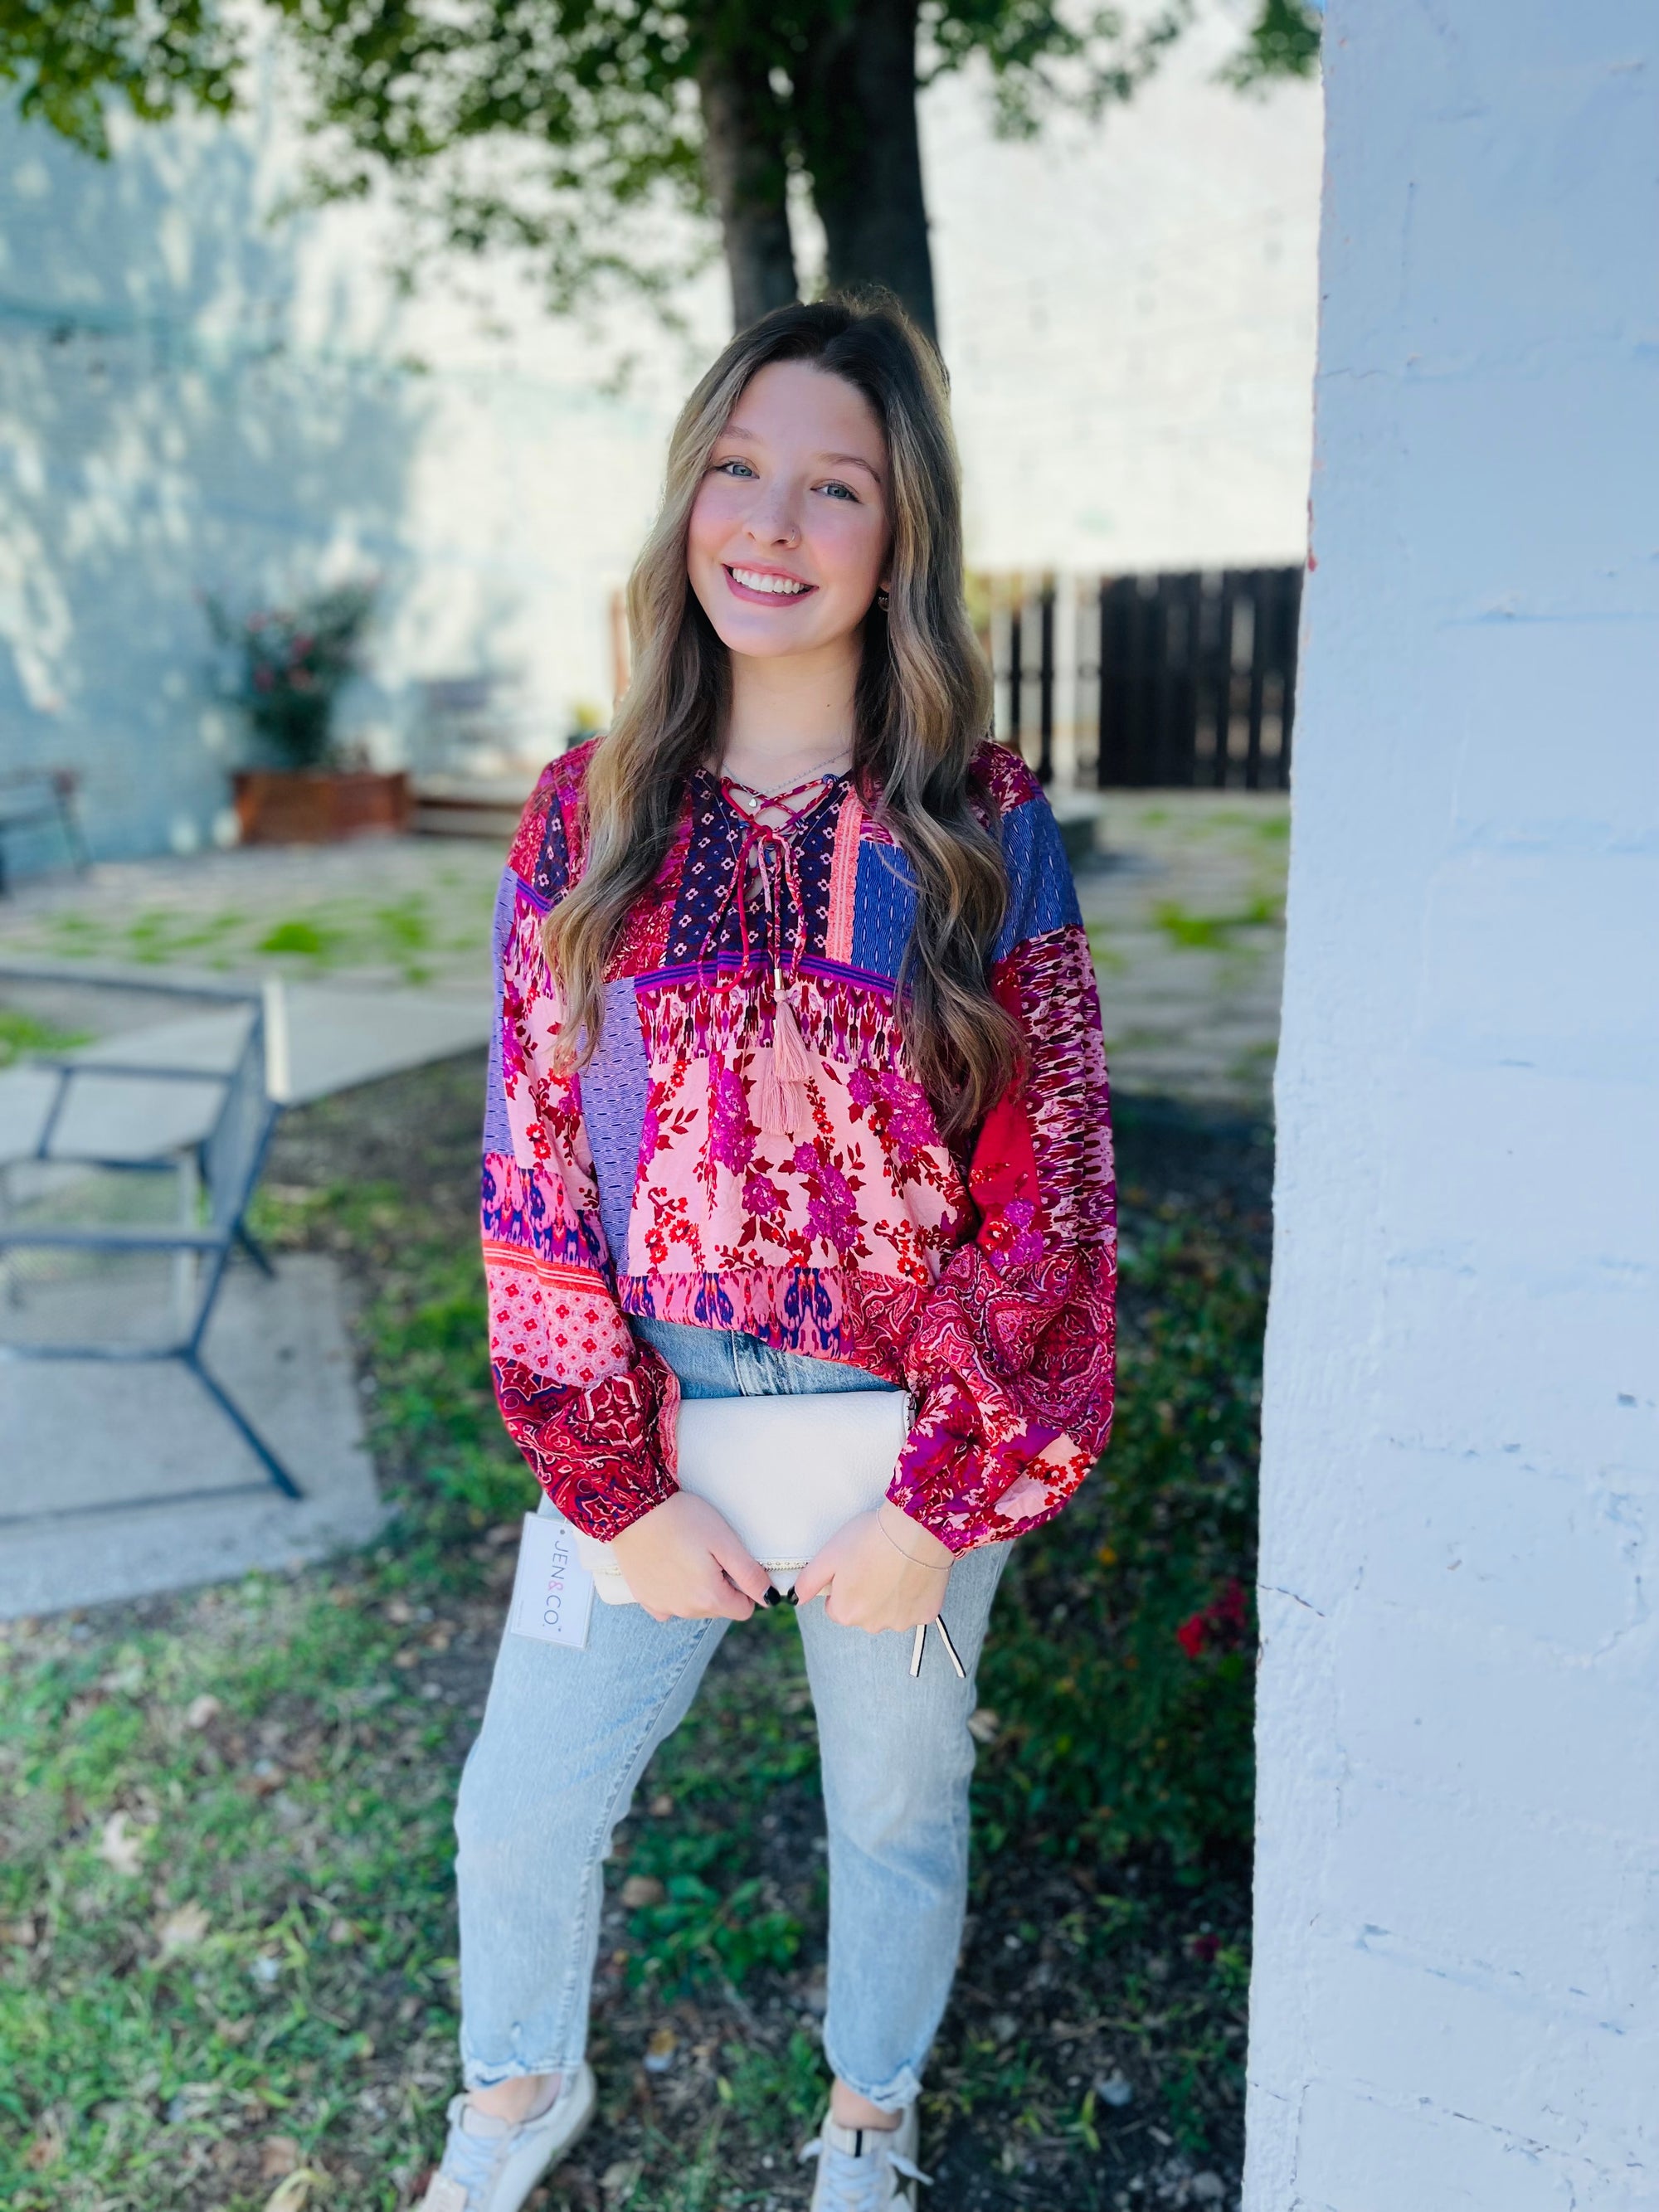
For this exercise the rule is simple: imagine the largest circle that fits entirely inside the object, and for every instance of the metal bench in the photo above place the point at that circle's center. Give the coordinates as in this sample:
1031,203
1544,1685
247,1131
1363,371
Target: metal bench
62,1212
30,796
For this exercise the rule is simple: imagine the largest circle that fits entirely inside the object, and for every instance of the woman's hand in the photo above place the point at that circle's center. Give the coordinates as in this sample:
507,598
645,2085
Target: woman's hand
682,1561
882,1571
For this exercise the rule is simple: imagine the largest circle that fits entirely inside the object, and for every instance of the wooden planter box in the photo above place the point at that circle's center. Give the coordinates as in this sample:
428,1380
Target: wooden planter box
278,806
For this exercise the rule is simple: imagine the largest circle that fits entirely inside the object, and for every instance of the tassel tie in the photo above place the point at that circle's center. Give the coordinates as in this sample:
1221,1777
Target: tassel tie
783,1105
780,1097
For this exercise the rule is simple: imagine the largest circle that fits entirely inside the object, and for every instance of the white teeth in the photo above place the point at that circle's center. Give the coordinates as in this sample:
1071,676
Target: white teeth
781,587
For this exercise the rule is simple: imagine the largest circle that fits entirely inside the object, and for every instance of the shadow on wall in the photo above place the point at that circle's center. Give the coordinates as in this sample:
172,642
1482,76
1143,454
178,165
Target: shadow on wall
160,435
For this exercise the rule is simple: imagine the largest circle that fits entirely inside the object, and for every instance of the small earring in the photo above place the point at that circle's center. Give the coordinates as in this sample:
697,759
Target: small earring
881,599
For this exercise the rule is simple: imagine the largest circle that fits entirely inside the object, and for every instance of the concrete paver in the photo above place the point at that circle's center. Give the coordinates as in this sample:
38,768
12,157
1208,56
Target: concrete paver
1185,915
411,912
340,1035
95,1455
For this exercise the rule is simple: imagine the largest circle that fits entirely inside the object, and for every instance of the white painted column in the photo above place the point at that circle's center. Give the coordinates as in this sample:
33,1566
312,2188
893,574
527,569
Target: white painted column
1457,1999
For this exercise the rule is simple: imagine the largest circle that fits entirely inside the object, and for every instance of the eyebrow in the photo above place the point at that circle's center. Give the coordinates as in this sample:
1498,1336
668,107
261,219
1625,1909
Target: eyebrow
854,460
857,461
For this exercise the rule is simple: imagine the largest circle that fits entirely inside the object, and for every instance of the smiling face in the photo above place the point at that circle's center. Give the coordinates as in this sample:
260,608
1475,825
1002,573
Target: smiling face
789,530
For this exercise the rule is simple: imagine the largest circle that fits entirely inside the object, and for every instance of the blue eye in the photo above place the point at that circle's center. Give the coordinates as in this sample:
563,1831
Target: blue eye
840,491
729,468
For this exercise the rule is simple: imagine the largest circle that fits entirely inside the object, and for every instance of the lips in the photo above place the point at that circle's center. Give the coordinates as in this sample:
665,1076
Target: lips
766,587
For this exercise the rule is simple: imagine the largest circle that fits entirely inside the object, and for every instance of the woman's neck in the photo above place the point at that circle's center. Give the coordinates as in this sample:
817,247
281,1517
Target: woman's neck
790,716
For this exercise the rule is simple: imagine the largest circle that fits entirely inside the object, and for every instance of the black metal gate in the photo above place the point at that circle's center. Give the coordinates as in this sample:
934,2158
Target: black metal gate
1182,680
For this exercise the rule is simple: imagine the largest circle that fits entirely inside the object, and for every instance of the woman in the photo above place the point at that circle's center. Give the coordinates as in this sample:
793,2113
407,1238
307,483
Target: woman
797,1086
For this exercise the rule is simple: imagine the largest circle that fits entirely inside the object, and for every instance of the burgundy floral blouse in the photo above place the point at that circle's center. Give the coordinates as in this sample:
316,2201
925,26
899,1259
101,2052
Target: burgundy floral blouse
747,1150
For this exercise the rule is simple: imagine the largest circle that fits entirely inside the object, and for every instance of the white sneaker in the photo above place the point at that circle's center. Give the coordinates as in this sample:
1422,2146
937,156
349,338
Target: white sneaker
867,2169
490,2165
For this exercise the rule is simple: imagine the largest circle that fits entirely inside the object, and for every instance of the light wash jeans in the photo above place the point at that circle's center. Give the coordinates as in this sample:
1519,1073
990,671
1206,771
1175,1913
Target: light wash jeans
566,1737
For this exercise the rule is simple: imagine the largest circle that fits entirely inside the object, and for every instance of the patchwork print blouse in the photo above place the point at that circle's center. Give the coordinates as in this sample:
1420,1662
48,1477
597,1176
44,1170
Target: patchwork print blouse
747,1149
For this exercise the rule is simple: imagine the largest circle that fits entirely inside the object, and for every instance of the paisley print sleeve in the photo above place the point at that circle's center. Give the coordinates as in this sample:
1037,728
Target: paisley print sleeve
1012,1355
590,1408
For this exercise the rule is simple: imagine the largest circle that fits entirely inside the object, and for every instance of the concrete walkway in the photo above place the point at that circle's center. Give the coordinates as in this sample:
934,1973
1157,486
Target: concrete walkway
1186,917
340,1035
96,1458
119,1480
394,911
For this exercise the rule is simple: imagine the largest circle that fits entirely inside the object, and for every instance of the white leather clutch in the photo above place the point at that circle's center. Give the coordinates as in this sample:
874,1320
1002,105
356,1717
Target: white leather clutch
784,1473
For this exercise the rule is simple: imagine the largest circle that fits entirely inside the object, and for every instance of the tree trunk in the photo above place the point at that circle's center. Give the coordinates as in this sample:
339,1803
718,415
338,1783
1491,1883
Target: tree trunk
743,149
856,106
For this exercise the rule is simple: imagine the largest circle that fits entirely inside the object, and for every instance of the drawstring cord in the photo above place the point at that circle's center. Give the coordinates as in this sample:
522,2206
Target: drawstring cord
782,1106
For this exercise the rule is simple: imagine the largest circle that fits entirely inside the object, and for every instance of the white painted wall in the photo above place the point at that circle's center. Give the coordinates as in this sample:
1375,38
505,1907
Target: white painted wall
198,394
1127,309
1456,2000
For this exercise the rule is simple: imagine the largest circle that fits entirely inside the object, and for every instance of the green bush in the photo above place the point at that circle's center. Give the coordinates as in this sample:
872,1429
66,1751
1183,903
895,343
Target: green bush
288,665
1120,1669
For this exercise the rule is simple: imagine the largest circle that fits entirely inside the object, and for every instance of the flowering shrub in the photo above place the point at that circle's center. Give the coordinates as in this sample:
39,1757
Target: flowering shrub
1220,1627
1121,1661
291,665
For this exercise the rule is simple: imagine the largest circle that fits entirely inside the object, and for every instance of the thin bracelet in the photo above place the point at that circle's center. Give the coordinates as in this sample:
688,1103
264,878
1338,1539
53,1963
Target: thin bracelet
933,1567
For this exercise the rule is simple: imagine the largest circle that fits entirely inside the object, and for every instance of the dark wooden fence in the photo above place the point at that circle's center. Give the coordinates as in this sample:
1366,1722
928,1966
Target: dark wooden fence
1185,680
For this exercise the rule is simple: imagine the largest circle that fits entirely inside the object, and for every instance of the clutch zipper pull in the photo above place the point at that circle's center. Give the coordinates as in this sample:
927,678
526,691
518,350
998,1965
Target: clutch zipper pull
950,1652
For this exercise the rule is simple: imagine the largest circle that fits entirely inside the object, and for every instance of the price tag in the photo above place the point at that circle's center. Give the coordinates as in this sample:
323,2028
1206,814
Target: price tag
552,1591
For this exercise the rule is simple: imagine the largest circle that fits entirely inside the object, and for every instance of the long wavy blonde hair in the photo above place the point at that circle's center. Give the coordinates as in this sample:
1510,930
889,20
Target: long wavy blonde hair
922,704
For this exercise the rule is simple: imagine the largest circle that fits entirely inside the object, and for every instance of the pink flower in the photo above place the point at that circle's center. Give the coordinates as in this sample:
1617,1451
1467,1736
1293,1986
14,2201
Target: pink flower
909,1117
831,1210
731,1137
762,1197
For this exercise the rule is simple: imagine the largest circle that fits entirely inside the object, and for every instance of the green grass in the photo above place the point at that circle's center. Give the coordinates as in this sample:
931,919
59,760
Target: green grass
226,1943
152,938
305,939
1211,933
1108,957
405,934
1153,1540
22,1034
398,932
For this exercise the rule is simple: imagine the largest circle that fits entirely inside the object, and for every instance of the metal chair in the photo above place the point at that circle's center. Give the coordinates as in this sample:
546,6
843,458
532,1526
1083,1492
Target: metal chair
45,1200
31,796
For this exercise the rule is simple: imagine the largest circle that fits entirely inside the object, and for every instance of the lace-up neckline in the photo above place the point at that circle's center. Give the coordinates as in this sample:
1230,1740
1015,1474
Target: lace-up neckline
768,854
783,810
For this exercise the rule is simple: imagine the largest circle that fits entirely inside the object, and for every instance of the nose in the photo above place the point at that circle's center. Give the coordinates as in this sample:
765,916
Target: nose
773,520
